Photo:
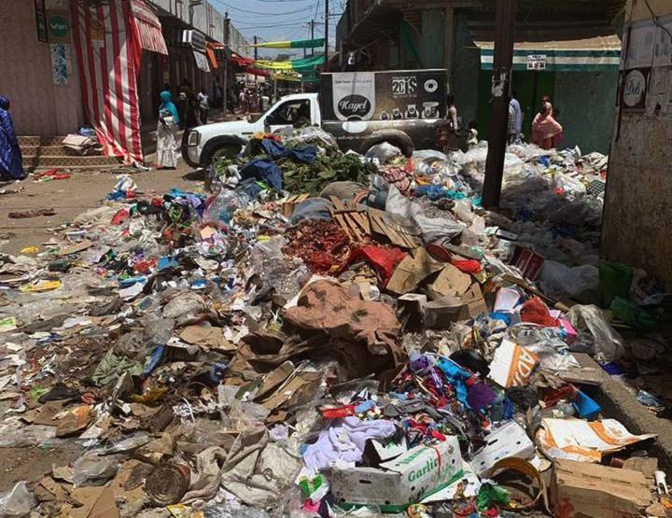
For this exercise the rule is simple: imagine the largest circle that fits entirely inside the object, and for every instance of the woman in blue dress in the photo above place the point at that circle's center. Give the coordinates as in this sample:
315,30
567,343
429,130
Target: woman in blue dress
11,159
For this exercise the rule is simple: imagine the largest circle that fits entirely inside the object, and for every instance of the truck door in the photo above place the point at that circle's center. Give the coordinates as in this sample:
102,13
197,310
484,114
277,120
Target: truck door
288,113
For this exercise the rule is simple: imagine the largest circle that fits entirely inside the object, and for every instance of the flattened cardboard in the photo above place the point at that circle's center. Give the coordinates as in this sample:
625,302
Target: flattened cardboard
508,441
579,489
439,314
579,440
411,477
97,502
512,365
412,271
207,337
451,282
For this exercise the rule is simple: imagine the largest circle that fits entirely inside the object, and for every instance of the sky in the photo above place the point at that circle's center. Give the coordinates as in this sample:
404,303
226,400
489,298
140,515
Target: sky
278,20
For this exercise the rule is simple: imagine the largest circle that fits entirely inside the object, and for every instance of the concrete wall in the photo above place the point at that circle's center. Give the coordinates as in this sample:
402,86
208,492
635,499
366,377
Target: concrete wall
638,208
586,102
466,69
433,29
39,107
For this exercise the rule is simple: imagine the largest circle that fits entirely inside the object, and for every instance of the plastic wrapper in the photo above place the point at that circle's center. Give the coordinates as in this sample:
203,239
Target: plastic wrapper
222,207
17,502
383,153
593,329
92,467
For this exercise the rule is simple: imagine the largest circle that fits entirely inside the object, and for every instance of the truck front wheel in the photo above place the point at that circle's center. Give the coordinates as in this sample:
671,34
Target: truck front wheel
225,151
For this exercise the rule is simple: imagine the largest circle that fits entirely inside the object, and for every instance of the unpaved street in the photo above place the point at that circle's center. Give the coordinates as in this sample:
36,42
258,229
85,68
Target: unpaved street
85,190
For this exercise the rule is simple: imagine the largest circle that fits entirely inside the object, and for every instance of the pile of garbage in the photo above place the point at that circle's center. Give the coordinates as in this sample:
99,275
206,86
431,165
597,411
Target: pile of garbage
385,348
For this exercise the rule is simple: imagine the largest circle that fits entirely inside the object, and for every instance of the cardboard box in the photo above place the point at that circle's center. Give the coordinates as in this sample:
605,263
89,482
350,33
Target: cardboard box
582,489
510,440
439,314
382,451
411,477
512,365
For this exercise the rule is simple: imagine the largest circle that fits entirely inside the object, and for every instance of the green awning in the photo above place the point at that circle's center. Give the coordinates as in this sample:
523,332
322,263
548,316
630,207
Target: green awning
588,55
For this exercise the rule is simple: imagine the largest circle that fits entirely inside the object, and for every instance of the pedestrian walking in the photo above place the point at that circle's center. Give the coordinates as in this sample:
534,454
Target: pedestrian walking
546,131
242,101
515,120
189,112
451,138
203,105
166,132
11,159
217,94
265,102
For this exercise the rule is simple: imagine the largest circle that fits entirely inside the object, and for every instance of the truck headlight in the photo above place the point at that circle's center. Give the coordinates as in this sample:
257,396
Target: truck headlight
194,138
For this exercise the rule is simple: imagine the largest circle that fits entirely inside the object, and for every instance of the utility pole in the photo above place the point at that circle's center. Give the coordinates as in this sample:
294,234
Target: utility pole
505,26
227,49
312,36
326,33
256,56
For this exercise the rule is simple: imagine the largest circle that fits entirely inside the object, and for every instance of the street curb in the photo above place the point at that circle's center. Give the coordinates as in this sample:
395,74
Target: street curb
618,403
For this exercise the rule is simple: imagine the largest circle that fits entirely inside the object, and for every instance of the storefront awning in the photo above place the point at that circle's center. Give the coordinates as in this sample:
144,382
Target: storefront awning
201,60
587,55
148,28
211,56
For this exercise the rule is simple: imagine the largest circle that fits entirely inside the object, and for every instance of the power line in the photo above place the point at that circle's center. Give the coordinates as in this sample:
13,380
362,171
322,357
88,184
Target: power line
260,13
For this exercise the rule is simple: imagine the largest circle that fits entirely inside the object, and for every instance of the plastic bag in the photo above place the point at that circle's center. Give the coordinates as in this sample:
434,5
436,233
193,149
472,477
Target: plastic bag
383,153
593,328
559,281
633,315
17,502
224,205
432,229
615,281
93,467
311,209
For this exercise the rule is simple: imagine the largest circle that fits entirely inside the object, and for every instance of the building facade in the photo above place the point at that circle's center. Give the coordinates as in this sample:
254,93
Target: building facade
638,213
68,63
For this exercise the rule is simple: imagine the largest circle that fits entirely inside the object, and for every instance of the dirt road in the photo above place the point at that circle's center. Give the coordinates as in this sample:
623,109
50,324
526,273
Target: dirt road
68,198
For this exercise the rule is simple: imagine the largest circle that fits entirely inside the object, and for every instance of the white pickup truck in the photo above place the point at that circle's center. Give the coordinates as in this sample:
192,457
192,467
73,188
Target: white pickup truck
360,109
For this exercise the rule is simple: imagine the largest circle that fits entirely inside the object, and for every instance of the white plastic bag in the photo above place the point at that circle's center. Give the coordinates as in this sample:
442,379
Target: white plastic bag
558,280
17,502
432,229
589,321
383,153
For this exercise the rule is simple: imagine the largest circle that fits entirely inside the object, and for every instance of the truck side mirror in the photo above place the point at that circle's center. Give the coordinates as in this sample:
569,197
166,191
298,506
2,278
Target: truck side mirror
268,121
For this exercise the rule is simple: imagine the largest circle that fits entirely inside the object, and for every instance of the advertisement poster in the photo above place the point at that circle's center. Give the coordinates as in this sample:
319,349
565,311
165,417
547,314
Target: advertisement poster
393,95
58,26
634,90
354,96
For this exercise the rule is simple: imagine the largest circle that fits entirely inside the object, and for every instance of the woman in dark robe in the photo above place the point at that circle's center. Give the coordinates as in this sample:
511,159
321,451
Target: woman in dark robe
11,159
